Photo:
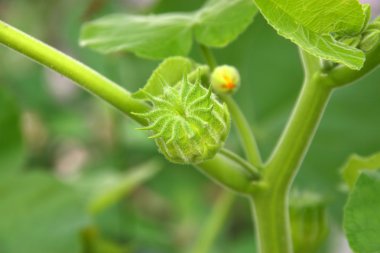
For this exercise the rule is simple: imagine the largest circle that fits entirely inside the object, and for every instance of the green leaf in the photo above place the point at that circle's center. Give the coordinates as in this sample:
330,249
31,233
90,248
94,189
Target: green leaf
160,36
39,214
355,164
171,70
361,214
221,21
311,24
106,188
155,36
11,143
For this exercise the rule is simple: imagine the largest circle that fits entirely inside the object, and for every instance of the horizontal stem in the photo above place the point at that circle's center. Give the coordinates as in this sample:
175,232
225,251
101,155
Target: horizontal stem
71,68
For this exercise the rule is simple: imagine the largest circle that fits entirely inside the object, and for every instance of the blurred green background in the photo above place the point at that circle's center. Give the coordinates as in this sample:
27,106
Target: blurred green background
75,175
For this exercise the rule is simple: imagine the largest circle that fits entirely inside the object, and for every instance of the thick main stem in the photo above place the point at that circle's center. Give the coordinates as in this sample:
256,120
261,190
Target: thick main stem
270,198
272,225
299,132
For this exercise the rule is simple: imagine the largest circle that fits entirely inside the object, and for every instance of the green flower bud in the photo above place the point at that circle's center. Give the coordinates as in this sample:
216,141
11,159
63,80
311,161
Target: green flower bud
189,124
225,79
308,221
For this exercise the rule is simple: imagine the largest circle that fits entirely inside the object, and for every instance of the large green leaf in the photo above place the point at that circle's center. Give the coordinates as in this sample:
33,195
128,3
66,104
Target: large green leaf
156,36
221,21
311,24
160,36
356,164
39,214
361,214
11,144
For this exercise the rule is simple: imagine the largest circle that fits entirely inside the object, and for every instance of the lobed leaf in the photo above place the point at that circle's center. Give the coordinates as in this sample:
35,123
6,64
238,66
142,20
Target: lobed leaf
355,164
361,214
160,36
310,24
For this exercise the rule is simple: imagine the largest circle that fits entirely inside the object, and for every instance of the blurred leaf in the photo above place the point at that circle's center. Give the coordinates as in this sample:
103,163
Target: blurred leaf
94,243
106,188
160,36
155,36
308,218
214,224
356,164
221,21
39,214
311,24
11,144
361,214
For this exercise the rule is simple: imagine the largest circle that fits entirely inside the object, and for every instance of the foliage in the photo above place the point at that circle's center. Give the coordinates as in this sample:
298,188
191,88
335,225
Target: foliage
361,214
94,205
216,24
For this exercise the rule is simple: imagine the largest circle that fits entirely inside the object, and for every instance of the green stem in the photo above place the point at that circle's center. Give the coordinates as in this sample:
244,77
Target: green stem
250,169
272,225
214,223
247,138
71,68
208,56
244,130
295,140
311,64
270,198
228,173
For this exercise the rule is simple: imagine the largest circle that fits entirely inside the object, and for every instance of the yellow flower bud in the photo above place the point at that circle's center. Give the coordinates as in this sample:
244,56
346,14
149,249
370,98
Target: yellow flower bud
225,79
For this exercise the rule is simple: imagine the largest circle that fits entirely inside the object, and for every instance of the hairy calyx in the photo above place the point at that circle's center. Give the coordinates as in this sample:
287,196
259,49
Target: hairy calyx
189,124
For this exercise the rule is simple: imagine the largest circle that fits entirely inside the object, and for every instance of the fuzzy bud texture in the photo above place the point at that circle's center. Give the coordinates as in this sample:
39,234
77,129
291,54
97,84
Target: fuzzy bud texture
225,79
189,124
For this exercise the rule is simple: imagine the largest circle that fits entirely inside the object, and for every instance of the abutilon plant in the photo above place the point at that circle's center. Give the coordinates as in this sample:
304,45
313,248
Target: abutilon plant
339,43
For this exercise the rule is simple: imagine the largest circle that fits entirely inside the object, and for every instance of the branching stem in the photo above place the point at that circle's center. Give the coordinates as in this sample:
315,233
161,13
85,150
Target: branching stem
245,164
